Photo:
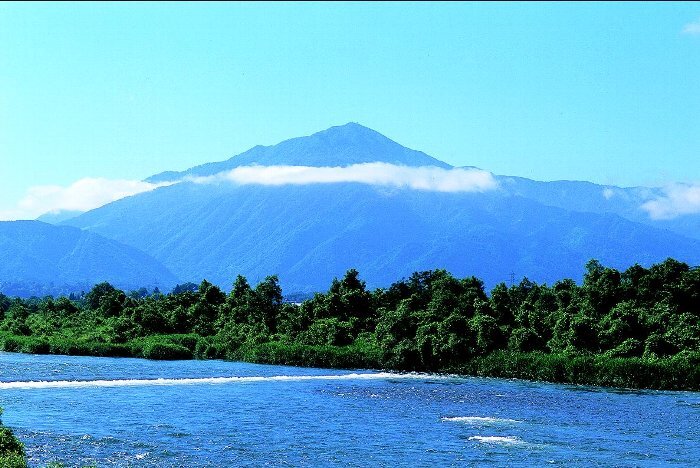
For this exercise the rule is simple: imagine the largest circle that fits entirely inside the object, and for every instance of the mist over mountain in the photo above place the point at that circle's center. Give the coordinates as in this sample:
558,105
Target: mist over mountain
309,230
60,257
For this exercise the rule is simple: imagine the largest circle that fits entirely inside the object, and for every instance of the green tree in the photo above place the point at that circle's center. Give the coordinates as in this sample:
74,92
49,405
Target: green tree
396,334
601,287
204,313
12,453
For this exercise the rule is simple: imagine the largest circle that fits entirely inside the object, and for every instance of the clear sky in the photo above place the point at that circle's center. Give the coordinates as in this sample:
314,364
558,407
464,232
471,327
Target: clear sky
606,92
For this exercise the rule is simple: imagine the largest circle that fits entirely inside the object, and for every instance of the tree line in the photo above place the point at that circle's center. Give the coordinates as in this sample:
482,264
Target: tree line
639,327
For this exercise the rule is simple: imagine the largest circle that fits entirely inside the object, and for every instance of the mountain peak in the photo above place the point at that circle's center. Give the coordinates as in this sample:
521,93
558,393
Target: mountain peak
342,145
349,134
352,133
350,128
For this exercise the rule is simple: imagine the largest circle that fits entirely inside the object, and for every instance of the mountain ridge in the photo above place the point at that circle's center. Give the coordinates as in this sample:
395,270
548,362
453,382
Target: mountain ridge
42,253
337,146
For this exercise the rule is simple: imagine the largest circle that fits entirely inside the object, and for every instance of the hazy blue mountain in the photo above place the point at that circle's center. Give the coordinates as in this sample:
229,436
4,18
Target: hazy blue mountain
581,196
603,199
36,252
688,225
338,146
309,234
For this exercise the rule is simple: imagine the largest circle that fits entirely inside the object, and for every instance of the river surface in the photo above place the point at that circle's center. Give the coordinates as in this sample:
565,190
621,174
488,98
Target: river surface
131,412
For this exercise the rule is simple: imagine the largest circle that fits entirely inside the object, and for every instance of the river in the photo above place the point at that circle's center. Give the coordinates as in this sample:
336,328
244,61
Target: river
132,412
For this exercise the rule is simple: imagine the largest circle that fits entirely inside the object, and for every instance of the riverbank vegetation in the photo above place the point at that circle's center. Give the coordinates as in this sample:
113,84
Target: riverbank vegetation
636,328
11,449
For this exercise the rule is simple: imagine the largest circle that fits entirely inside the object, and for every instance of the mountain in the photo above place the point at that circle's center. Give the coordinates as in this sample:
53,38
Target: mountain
338,146
603,199
308,234
33,252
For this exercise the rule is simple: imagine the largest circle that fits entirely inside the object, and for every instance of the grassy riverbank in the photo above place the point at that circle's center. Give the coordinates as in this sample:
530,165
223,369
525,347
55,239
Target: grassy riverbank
681,372
639,328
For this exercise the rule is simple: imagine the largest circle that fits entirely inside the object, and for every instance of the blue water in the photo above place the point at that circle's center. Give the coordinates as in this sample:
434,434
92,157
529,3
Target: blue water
140,413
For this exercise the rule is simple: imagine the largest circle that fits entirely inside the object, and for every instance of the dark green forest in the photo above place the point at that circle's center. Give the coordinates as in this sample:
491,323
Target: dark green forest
636,328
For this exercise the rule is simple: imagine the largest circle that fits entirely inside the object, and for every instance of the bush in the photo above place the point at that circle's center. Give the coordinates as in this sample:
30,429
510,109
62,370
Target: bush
13,461
678,373
9,444
359,355
107,350
628,348
189,341
24,344
71,347
11,449
12,344
206,349
165,351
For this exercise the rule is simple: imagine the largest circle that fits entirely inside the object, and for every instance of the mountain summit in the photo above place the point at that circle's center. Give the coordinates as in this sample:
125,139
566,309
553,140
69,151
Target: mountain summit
343,145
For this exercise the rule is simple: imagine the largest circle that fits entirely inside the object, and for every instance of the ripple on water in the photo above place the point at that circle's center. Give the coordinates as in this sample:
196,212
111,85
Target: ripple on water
499,440
479,420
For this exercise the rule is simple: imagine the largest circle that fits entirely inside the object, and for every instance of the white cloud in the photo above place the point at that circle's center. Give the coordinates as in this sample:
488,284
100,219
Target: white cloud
692,29
427,178
678,200
89,193
608,193
82,195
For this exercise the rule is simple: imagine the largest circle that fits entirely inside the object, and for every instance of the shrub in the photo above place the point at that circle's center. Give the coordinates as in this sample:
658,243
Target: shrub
9,444
13,461
11,449
165,351
25,344
339,357
189,341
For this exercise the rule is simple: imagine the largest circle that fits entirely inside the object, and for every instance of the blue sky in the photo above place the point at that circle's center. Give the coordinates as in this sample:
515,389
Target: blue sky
105,92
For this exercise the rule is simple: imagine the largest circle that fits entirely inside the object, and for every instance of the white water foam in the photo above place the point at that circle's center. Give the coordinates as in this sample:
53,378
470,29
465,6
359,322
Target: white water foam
480,420
498,440
32,384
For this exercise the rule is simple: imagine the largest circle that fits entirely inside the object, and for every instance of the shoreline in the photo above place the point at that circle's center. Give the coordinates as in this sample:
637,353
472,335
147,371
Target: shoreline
678,373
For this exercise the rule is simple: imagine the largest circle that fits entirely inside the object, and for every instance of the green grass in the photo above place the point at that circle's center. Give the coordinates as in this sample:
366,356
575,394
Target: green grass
355,356
681,372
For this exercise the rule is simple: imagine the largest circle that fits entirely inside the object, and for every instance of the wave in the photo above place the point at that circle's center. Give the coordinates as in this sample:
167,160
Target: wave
498,440
34,384
480,420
